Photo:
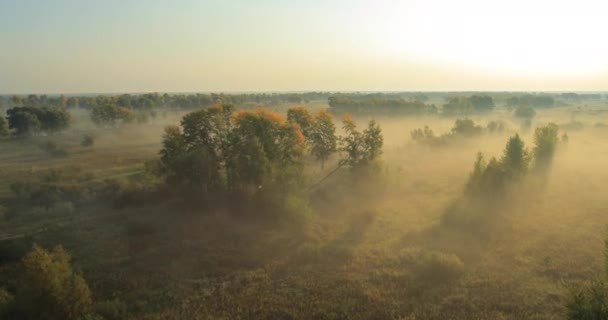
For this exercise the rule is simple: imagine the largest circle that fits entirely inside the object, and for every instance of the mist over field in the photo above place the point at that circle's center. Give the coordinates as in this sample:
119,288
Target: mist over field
345,159
424,206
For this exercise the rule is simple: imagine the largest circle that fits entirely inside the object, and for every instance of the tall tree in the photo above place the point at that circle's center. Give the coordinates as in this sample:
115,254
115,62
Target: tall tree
515,158
323,139
545,140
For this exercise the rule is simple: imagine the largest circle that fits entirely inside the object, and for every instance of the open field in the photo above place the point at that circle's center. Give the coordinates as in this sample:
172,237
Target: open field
376,249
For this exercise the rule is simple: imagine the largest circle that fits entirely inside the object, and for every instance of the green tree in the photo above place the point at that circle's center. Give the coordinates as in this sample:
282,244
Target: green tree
49,289
545,140
361,149
466,127
323,139
111,115
515,158
22,121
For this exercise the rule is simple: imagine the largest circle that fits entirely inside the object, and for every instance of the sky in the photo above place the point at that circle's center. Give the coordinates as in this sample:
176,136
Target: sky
86,46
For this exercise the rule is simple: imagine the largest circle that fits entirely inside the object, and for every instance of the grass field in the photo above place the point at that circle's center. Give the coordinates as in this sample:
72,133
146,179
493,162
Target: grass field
371,251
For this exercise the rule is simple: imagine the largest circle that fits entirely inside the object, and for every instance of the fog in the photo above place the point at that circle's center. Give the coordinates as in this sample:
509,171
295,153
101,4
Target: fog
407,236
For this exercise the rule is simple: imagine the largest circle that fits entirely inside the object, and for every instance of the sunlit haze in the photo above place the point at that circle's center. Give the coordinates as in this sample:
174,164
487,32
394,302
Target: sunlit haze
141,46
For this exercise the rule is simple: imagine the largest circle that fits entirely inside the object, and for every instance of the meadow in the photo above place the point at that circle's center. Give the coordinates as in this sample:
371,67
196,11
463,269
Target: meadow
377,246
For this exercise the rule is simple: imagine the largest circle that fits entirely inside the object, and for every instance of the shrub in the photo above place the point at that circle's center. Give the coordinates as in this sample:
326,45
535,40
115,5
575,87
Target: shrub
49,289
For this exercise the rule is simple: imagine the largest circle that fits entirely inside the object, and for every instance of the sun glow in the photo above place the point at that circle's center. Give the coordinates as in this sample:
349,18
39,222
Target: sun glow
532,38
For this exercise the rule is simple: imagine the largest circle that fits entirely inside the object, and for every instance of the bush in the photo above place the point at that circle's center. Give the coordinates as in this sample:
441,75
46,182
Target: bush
49,289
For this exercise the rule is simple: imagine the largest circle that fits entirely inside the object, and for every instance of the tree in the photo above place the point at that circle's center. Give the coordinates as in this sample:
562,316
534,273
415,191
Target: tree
276,145
515,158
466,127
49,289
62,101
23,121
323,137
111,115
53,119
545,140
216,149
73,102
17,101
525,114
361,148
303,118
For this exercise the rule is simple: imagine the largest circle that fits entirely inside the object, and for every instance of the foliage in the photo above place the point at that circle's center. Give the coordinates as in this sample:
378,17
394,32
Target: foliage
545,140
218,150
492,177
545,101
524,112
361,148
466,127
515,159
467,105
496,126
30,120
49,289
111,115
372,105
303,118
463,128
323,139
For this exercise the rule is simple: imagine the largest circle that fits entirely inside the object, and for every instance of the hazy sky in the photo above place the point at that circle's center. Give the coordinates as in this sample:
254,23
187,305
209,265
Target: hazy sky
72,46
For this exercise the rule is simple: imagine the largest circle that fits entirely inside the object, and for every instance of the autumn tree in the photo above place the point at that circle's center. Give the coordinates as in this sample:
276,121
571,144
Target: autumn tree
323,139
303,118
49,289
245,153
271,143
